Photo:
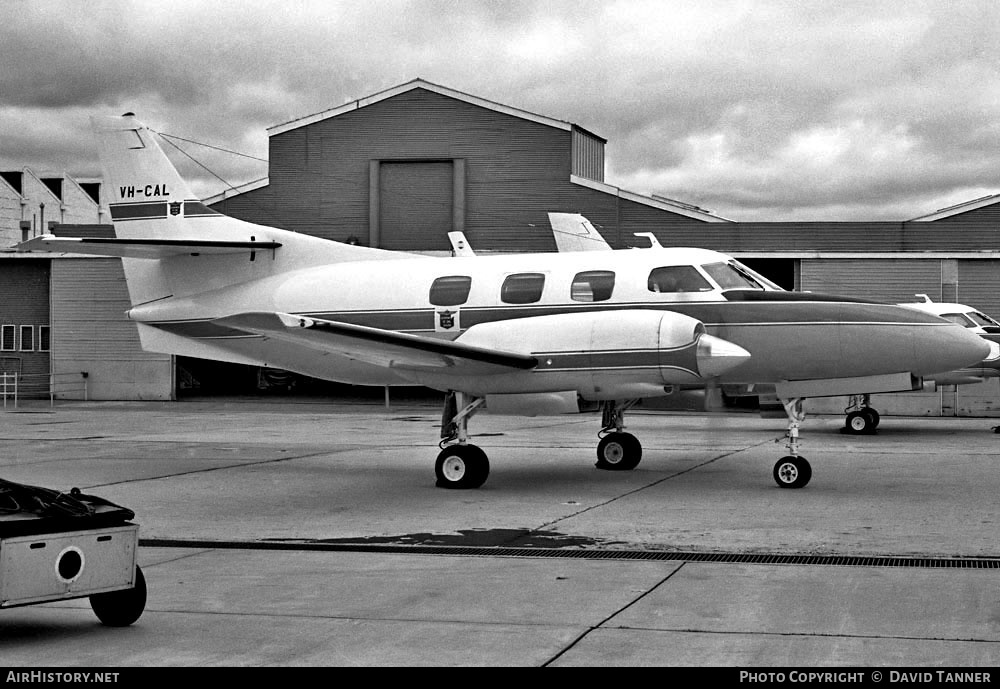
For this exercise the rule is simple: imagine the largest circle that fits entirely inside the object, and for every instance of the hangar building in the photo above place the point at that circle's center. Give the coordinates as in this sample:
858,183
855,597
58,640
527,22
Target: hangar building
403,167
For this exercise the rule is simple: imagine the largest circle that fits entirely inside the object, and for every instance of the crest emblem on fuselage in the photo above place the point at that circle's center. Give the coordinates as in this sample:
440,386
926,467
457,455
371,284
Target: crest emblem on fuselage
447,321
175,208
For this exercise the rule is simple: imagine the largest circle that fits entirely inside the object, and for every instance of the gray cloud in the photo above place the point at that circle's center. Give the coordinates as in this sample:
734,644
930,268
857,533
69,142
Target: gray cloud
759,110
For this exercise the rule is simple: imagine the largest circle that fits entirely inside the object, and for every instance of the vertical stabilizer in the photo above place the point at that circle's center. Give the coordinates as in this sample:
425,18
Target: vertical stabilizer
150,201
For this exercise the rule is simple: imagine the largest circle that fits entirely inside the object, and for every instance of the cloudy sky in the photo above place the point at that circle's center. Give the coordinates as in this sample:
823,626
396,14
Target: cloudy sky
759,110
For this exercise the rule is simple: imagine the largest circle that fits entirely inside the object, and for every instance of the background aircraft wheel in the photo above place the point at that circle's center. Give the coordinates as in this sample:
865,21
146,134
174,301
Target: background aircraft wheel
792,472
860,422
461,466
121,608
619,452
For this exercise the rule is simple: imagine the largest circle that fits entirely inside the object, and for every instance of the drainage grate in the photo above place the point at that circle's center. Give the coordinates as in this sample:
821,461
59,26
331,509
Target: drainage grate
587,554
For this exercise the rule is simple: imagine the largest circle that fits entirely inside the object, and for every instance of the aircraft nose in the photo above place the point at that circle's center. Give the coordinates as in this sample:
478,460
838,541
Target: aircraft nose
994,354
962,349
716,356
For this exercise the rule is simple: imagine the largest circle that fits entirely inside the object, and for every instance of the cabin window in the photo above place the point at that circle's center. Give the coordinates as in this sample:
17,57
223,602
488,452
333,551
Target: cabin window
7,335
44,338
730,277
522,288
677,279
593,285
450,290
27,338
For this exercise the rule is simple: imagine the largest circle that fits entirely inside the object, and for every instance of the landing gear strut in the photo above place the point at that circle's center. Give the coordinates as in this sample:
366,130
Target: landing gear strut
617,451
460,464
793,471
861,418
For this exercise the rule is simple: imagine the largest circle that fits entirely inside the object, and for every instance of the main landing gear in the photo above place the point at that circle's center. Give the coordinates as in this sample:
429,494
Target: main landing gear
460,464
861,418
617,451
793,471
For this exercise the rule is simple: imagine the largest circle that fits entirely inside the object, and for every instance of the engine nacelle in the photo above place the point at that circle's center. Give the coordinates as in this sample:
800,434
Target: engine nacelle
605,355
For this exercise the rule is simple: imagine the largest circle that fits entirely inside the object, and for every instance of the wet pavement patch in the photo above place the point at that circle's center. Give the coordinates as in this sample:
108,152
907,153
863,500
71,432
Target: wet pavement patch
516,538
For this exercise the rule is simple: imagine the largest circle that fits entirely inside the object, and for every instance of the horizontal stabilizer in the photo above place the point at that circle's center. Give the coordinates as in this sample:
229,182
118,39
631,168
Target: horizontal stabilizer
380,347
140,248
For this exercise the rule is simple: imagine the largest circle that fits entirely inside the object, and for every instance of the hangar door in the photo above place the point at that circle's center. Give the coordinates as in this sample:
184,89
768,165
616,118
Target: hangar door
889,280
91,334
979,286
416,205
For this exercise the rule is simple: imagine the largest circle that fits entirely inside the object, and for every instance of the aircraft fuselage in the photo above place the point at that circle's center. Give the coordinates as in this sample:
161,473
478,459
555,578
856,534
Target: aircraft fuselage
790,336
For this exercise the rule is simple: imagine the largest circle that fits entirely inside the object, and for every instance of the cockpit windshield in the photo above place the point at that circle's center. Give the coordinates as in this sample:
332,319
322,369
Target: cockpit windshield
735,275
981,318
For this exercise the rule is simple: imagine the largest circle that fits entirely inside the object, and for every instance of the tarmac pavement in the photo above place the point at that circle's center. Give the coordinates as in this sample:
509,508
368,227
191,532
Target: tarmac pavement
310,533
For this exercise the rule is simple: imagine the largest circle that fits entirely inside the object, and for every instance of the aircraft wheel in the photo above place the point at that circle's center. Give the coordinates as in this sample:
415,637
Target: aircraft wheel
461,466
875,416
792,472
121,608
861,422
619,452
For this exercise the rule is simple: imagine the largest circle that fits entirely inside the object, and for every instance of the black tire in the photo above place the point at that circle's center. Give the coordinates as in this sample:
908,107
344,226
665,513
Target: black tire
792,472
874,416
462,467
619,452
860,422
121,608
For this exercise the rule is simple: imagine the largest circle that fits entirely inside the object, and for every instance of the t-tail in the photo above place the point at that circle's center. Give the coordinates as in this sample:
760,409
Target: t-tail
172,245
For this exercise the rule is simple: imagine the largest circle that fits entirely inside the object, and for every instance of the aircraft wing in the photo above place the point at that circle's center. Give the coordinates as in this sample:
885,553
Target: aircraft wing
141,248
380,347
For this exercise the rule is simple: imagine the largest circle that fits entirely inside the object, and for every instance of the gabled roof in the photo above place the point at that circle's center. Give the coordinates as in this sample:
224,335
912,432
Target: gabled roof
959,208
427,86
654,201
237,190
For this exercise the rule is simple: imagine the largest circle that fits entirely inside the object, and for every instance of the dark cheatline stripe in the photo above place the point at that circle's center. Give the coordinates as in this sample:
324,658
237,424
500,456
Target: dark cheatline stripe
196,209
138,211
684,358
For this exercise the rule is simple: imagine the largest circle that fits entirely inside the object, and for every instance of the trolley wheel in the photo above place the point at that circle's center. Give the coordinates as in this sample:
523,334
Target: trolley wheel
121,608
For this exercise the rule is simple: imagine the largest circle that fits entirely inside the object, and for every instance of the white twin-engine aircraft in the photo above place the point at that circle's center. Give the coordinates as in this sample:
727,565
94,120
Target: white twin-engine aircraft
526,333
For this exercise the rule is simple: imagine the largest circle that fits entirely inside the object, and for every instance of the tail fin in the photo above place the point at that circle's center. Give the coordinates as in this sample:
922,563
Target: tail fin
144,186
151,204
573,232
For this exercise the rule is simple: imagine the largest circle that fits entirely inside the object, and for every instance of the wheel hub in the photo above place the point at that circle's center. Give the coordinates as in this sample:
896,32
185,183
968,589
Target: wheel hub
613,453
453,468
788,472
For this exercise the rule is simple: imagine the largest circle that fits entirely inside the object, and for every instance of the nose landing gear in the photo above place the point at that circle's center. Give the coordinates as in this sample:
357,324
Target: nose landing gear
793,471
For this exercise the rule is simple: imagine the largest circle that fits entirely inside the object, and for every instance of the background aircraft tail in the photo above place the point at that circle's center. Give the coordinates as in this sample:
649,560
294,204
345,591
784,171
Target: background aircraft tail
172,244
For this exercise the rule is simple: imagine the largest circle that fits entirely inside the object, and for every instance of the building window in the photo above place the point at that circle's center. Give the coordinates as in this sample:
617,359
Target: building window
677,279
27,338
7,335
522,288
593,285
44,339
450,290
